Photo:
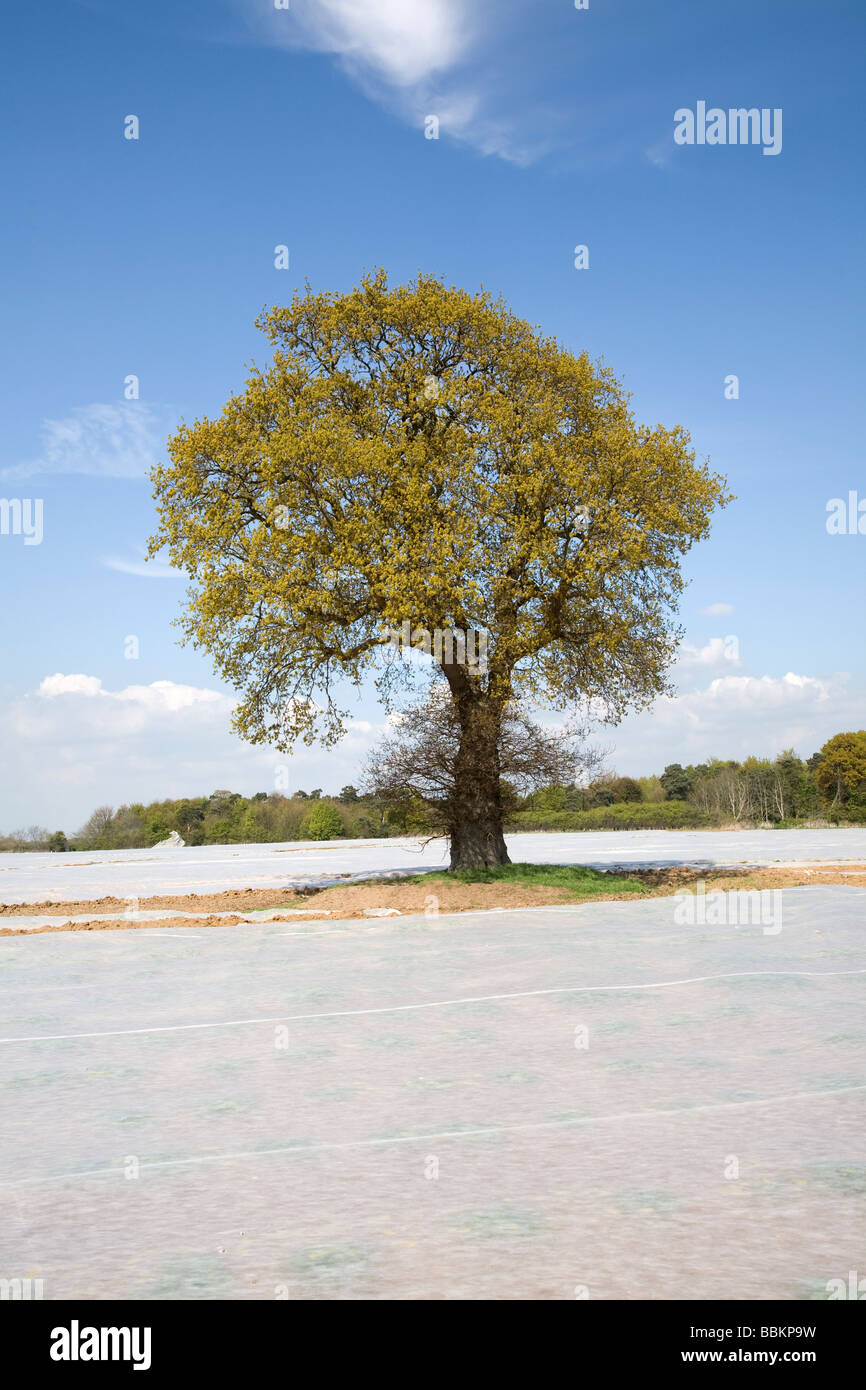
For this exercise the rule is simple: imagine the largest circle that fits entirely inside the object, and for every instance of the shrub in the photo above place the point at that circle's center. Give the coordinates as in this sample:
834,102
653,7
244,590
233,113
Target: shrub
852,814
627,815
324,822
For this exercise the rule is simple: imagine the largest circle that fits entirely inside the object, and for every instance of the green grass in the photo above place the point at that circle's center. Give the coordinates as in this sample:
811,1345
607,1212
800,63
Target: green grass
574,879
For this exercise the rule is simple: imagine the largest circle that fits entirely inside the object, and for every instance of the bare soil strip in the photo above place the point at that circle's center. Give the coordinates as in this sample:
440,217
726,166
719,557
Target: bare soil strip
241,899
371,899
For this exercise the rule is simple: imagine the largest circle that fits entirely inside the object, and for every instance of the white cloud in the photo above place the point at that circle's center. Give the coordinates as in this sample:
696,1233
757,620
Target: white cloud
122,440
158,696
718,610
735,716
421,58
719,651
75,713
728,698
403,43
72,745
70,685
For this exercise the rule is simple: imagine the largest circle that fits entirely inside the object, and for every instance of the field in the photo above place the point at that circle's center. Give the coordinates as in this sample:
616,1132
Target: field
605,1100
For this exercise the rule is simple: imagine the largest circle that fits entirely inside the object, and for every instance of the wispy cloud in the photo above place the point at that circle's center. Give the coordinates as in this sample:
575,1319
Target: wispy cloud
156,568
422,58
659,154
718,610
121,440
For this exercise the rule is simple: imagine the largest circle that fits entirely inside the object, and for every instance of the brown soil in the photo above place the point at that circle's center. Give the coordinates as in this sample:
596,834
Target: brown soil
769,876
243,898
124,924
374,899
353,898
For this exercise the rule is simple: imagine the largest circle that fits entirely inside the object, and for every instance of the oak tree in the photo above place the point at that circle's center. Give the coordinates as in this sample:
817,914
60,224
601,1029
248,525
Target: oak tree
421,454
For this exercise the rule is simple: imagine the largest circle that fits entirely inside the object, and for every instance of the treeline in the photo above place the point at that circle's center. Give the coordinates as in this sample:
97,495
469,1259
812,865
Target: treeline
830,787
224,818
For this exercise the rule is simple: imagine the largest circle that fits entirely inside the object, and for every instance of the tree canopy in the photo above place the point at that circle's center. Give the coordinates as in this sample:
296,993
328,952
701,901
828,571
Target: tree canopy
420,454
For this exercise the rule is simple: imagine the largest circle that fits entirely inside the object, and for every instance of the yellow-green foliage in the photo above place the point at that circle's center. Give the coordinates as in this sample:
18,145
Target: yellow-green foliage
651,788
421,453
841,773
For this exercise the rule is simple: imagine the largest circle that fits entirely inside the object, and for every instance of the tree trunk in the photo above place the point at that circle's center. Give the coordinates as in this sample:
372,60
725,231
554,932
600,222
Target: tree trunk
478,844
475,820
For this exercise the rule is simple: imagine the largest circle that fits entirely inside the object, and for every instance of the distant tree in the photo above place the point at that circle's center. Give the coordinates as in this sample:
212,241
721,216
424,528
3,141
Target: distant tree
315,793
96,827
554,798
651,789
626,789
260,796
186,815
841,773
734,792
576,797
218,800
677,782
58,842
158,827
349,795
323,822
602,791
128,829
791,786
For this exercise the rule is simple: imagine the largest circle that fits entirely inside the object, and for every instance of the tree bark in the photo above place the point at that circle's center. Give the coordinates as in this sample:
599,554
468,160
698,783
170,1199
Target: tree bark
475,812
478,844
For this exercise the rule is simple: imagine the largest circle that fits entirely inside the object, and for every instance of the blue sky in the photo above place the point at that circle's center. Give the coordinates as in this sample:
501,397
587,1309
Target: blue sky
306,127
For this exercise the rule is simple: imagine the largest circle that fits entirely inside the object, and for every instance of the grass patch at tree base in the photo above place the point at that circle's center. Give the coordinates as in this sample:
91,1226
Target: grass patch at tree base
574,879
